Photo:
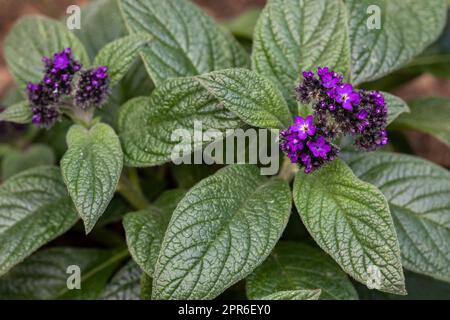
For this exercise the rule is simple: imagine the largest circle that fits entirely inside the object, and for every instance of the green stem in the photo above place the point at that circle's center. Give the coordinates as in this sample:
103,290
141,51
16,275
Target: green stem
132,192
288,170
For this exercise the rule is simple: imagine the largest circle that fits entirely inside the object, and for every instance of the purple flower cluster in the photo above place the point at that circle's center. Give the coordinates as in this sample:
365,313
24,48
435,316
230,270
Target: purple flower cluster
304,145
60,71
339,110
92,87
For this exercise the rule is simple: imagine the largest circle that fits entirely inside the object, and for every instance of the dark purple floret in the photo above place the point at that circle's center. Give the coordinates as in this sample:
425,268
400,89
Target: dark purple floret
304,146
45,116
93,87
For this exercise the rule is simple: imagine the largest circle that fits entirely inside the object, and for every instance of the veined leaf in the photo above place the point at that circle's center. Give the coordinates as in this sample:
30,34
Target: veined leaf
220,232
17,113
147,125
186,41
292,36
34,37
91,169
125,285
34,209
46,274
396,106
296,266
350,220
418,193
405,29
120,54
428,115
294,295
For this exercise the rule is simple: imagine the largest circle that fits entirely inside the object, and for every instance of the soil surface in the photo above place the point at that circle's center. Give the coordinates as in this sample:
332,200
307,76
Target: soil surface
426,85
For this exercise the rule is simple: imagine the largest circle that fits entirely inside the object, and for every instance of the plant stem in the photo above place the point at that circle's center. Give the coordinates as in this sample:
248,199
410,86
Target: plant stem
288,170
132,191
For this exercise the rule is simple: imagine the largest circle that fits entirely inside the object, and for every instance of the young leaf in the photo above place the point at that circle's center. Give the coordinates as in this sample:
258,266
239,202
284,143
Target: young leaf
146,125
294,295
17,113
34,37
292,36
46,274
296,266
91,169
418,193
220,232
186,41
396,106
120,54
384,35
35,156
34,209
125,285
350,220
429,115
253,98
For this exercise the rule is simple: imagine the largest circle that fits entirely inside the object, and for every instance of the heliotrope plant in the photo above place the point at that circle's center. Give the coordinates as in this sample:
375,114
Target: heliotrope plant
118,92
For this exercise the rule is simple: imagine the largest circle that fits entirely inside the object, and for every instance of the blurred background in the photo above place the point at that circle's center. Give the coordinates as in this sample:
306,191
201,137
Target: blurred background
427,75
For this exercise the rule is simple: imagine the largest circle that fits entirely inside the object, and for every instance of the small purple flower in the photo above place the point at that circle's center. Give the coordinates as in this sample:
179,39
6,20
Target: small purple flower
45,116
304,127
329,78
93,87
320,148
345,95
308,74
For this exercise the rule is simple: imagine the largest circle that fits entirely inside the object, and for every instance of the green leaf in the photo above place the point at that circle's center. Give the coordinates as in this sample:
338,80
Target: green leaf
294,295
120,54
220,232
396,106
186,42
17,113
292,36
253,98
296,266
146,124
45,275
101,24
418,193
17,161
34,209
428,115
125,285
243,25
91,169
407,27
146,287
34,37
350,220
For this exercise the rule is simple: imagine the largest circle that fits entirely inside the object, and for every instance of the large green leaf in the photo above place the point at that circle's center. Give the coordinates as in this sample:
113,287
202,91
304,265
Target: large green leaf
253,98
350,220
429,115
292,36
16,161
34,37
146,125
407,27
297,266
120,54
18,113
125,285
91,169
418,193
220,232
45,275
186,42
34,209
294,295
